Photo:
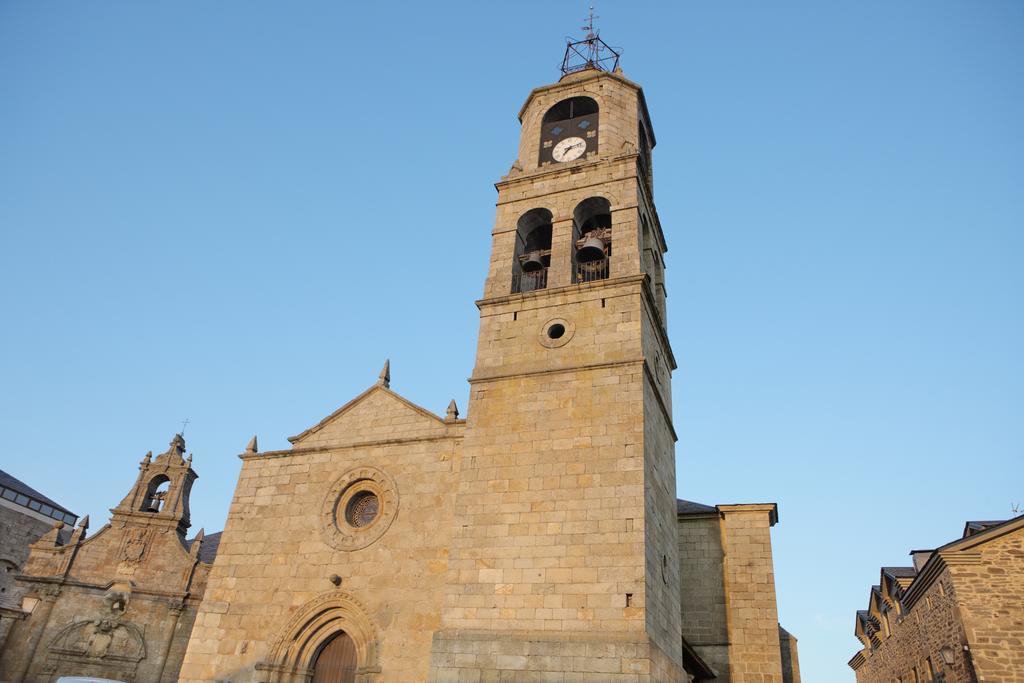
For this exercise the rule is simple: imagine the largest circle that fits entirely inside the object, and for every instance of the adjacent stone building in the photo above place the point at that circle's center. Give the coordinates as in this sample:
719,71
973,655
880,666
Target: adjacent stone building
25,516
957,614
120,604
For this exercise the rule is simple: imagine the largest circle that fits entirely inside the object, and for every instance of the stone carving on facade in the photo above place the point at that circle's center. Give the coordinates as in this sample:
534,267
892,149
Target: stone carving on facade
133,550
336,530
293,651
117,597
97,645
141,566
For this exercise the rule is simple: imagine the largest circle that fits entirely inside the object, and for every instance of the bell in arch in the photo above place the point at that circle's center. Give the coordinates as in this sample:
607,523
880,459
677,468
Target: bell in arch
591,251
533,263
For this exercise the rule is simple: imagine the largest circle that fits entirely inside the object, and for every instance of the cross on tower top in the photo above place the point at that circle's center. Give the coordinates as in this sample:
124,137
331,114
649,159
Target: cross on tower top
589,28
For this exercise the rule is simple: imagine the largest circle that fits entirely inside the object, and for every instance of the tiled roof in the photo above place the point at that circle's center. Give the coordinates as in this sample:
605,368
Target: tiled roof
688,507
15,484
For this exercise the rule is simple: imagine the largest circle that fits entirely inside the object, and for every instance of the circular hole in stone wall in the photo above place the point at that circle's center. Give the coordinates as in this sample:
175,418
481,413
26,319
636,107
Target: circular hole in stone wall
556,331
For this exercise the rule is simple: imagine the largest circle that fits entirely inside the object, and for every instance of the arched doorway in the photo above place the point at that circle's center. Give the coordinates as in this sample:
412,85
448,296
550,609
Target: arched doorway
336,661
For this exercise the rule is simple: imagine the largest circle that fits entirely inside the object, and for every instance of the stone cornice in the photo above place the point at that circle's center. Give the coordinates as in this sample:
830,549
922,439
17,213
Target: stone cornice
771,508
931,570
541,294
570,168
56,581
484,379
302,450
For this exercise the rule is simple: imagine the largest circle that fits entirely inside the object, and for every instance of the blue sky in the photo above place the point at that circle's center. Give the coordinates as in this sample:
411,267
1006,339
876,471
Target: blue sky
233,212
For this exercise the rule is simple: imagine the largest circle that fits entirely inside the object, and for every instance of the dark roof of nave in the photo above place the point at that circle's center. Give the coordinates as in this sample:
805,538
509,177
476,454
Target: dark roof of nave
15,484
688,507
208,551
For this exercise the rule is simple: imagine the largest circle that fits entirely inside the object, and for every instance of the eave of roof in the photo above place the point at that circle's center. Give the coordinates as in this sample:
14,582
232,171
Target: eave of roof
933,567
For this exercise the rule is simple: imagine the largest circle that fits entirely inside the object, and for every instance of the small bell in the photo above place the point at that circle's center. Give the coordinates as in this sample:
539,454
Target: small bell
591,251
533,263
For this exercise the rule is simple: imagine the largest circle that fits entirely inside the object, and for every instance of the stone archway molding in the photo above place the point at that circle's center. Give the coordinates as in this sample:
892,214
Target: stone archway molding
291,655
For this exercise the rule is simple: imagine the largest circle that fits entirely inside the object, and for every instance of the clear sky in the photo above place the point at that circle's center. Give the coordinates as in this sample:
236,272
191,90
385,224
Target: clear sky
232,212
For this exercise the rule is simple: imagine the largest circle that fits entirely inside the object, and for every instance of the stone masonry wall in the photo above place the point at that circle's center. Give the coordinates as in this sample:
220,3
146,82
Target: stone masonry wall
662,551
990,592
549,508
275,560
754,654
568,468
661,546
702,584
163,584
19,530
616,97
790,657
917,636
976,599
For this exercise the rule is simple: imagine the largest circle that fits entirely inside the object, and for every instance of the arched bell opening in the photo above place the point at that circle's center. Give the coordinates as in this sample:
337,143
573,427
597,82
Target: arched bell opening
336,660
568,130
592,239
533,251
156,494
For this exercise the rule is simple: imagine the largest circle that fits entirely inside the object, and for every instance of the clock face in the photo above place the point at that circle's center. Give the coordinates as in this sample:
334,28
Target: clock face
569,149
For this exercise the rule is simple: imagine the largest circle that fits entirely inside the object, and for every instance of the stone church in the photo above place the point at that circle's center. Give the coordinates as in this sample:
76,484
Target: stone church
537,539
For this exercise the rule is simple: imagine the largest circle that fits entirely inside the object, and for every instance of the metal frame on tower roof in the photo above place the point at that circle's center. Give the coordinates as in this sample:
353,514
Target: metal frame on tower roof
591,52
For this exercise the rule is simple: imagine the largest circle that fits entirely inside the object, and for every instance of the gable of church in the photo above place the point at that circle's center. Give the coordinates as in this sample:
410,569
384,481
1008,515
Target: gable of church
377,414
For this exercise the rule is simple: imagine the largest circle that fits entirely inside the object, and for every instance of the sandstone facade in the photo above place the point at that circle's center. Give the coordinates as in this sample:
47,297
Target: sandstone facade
119,604
956,615
728,606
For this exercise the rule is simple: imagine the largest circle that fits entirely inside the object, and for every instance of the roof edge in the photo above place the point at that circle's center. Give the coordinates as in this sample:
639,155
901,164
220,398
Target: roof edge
352,403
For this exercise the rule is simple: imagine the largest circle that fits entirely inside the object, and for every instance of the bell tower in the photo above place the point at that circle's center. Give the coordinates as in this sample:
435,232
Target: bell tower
564,551
161,492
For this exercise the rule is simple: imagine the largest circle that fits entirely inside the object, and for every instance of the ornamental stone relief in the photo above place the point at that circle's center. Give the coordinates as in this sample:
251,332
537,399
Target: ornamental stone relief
358,508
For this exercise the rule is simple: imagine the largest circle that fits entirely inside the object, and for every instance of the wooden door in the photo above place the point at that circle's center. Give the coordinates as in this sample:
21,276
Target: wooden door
336,661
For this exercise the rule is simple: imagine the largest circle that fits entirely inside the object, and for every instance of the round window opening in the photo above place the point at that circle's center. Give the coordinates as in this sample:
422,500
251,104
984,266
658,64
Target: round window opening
556,331
362,509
